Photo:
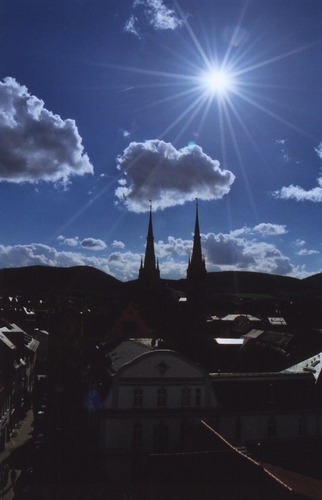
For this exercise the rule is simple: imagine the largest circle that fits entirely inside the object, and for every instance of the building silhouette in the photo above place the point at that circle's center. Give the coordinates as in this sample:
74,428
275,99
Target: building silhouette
149,272
196,272
196,277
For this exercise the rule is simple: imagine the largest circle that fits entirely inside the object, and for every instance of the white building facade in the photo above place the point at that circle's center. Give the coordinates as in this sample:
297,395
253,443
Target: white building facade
154,402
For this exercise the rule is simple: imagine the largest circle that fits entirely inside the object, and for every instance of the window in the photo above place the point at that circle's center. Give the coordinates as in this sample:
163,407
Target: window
137,434
162,397
161,438
138,397
186,397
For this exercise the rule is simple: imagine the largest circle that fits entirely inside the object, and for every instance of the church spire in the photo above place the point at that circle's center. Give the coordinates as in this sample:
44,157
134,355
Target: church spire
149,270
196,267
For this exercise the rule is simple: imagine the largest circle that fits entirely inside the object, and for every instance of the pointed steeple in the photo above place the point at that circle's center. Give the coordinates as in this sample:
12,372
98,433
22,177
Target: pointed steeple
196,267
149,271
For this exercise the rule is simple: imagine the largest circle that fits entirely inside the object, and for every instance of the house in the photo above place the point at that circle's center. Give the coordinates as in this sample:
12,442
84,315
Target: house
156,397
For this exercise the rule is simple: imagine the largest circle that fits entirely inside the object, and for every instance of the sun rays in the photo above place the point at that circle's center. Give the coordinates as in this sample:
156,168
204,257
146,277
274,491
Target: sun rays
221,81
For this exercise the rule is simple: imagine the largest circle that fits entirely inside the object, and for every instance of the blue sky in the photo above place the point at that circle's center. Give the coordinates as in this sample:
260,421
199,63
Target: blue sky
105,105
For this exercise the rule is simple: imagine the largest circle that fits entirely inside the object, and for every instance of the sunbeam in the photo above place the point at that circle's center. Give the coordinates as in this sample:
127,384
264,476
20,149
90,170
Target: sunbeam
210,81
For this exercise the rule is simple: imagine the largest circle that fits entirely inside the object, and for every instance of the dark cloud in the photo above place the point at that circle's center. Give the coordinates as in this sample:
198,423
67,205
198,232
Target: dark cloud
88,243
229,252
225,250
35,144
93,244
237,250
156,170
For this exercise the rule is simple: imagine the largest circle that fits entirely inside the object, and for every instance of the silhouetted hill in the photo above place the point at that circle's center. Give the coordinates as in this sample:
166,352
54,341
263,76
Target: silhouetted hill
314,283
236,282
37,280
84,280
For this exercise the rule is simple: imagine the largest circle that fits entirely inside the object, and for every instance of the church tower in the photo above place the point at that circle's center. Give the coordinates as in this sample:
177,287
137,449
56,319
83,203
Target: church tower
197,280
196,272
149,270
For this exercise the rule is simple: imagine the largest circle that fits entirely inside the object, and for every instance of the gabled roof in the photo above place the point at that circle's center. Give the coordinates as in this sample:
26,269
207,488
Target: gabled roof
310,365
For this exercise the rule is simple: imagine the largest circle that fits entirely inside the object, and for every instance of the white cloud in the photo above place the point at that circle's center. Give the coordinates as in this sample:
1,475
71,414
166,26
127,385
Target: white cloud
174,246
70,242
118,244
305,252
155,13
268,229
156,170
124,265
126,133
298,193
281,143
130,26
35,144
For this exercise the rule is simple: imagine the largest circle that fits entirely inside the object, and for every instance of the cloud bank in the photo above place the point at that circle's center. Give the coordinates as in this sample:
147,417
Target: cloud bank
243,249
297,193
35,144
156,170
230,252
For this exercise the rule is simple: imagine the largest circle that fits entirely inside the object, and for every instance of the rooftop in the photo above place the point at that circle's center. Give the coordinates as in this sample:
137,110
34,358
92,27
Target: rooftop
311,365
129,350
227,341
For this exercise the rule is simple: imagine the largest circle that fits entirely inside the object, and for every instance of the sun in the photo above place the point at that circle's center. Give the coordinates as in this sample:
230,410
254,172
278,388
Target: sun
216,81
